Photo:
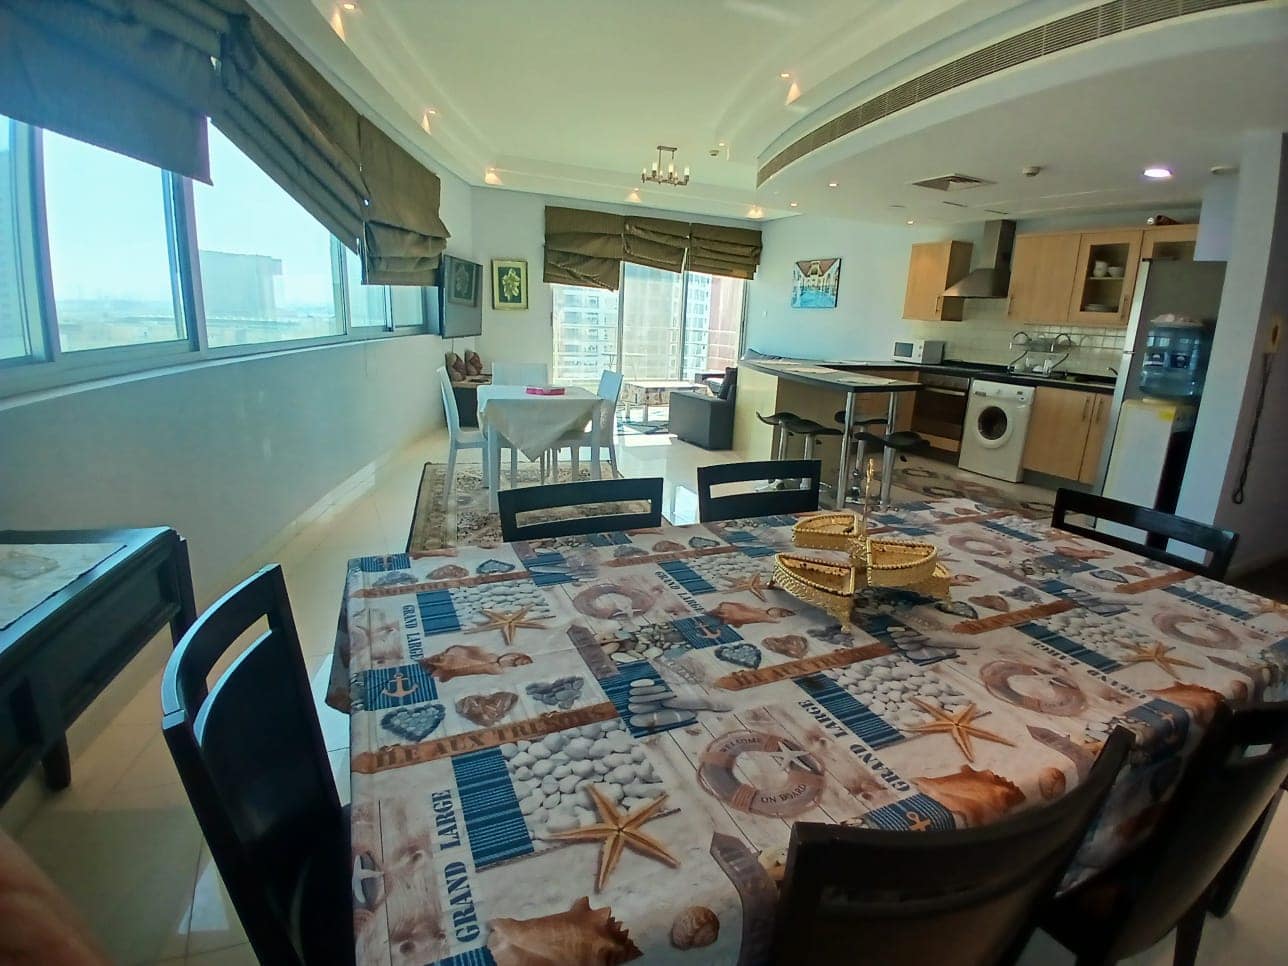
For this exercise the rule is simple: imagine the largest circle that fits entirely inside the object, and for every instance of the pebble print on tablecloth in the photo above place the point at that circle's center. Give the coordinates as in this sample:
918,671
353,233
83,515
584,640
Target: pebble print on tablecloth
550,775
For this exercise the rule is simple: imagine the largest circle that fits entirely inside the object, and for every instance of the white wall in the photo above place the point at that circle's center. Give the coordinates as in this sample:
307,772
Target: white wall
1255,293
874,275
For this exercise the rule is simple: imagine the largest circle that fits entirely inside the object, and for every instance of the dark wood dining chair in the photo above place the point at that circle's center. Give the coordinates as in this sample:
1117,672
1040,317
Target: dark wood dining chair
903,898
588,494
1169,881
761,503
1159,528
249,751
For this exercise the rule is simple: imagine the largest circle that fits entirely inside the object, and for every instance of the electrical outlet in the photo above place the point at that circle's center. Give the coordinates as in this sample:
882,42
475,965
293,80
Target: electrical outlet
1276,332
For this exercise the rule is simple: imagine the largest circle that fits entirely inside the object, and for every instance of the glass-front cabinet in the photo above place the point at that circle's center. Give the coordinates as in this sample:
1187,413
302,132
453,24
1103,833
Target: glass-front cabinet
1105,277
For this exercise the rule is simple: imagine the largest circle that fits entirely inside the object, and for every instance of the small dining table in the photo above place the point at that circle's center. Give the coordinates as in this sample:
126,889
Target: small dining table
532,423
593,748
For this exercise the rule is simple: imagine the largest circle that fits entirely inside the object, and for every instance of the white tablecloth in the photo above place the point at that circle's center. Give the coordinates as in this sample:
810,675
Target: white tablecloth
534,423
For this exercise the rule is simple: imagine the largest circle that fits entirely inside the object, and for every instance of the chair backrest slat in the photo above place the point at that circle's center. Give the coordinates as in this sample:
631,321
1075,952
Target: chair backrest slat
1160,527
525,499
250,753
966,896
610,390
449,403
759,504
520,374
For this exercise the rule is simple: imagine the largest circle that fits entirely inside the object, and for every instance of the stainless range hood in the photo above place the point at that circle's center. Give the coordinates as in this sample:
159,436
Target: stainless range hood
992,279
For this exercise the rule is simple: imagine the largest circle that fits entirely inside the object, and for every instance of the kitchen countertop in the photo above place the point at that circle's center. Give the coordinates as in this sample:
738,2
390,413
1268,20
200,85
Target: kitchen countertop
803,369
847,377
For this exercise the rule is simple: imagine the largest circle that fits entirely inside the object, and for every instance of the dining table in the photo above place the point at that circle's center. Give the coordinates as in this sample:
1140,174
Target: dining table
531,422
592,749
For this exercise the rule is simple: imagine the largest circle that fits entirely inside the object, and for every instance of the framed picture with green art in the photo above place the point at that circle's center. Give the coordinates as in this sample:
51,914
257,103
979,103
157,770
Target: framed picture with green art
509,283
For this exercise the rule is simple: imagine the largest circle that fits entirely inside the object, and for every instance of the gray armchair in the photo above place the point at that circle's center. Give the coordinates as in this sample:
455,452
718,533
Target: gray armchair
704,420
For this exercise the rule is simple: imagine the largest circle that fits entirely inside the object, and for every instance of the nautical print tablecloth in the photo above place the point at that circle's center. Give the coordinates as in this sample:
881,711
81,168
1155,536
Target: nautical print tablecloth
592,749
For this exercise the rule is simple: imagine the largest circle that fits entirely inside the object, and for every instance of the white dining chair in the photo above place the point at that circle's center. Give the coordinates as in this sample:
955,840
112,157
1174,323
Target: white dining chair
610,393
520,374
458,438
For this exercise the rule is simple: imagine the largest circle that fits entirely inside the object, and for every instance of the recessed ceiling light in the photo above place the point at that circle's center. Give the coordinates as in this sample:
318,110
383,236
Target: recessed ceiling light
431,112
833,184
786,75
721,144
792,204
755,211
911,221
350,6
1157,173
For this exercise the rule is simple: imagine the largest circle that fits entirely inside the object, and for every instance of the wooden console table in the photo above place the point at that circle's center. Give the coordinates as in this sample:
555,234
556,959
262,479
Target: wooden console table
61,653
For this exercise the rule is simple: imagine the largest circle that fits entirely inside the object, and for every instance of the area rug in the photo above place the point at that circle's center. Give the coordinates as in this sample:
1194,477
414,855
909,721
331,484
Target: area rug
932,481
464,519
645,429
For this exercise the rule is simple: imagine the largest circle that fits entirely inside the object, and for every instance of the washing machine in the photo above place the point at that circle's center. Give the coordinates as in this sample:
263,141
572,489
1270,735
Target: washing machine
997,422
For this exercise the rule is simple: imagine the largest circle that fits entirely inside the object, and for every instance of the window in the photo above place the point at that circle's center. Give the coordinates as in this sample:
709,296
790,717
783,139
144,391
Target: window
669,326
407,306
712,322
267,272
585,328
368,304
112,258
15,318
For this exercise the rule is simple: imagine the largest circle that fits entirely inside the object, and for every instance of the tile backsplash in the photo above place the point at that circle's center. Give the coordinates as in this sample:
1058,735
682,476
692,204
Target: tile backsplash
985,336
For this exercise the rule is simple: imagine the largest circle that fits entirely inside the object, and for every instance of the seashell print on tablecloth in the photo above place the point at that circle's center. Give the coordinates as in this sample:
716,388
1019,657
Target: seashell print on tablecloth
695,927
736,615
581,935
789,645
460,660
486,710
447,572
979,796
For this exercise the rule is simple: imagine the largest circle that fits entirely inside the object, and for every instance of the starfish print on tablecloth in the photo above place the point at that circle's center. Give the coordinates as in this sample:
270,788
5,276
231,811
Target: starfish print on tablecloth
755,584
959,725
507,622
617,830
1158,654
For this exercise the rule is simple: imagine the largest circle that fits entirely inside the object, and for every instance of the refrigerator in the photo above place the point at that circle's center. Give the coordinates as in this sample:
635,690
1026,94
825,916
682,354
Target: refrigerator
1151,475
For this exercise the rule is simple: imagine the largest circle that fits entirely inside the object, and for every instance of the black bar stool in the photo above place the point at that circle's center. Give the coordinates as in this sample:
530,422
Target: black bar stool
789,424
900,442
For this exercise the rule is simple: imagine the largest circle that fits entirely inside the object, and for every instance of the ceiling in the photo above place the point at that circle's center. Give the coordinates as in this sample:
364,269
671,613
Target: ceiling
570,98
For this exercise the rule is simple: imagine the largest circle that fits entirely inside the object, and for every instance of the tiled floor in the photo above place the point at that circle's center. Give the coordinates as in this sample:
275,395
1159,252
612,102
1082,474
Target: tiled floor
125,846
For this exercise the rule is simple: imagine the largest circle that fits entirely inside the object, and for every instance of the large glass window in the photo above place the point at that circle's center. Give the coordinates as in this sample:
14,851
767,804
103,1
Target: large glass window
368,304
14,332
111,251
669,326
585,326
267,273
712,322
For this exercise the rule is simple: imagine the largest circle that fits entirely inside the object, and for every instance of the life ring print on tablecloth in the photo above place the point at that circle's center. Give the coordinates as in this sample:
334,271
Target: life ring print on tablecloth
604,600
1213,635
793,779
1063,696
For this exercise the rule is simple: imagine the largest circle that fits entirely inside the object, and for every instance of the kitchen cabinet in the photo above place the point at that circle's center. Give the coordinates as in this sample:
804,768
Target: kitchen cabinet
1066,433
1097,426
1105,298
1042,271
932,267
1174,242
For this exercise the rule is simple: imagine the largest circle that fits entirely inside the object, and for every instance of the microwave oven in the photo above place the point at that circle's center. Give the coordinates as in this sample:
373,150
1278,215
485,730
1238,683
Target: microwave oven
927,351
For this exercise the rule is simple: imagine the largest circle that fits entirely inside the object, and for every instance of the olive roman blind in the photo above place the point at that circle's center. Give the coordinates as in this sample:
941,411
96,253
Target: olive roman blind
584,248
588,247
142,76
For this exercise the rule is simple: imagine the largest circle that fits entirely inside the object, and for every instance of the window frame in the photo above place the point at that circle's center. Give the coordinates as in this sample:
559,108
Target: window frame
47,366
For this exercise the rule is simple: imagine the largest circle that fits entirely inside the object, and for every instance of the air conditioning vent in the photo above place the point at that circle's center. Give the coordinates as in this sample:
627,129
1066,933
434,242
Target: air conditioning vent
956,204
1075,29
952,182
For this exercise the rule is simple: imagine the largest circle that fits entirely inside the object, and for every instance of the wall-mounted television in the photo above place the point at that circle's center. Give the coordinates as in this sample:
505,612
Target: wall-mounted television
454,306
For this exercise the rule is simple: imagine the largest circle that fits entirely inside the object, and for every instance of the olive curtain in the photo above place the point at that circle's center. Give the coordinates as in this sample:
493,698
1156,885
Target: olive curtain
141,76
584,248
720,250
588,247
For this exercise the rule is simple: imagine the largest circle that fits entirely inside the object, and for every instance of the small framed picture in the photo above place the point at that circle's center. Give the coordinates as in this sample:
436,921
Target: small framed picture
463,281
509,283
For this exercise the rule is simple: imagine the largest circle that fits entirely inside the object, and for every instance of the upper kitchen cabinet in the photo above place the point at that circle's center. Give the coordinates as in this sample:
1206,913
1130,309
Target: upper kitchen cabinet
1105,276
1042,272
1173,242
935,266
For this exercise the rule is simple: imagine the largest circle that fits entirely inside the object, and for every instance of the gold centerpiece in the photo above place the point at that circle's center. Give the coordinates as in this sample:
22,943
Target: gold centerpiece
873,561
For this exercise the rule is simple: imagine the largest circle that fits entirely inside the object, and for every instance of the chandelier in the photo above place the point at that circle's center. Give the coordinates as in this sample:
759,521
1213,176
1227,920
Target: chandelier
668,176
